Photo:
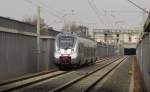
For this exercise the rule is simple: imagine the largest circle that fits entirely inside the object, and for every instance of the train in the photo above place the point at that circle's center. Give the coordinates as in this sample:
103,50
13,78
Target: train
72,50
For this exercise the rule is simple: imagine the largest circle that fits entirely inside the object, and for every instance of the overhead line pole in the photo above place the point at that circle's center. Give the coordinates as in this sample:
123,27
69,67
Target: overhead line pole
138,7
38,38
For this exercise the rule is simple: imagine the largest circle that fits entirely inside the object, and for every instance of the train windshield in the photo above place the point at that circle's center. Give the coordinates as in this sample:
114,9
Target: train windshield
66,42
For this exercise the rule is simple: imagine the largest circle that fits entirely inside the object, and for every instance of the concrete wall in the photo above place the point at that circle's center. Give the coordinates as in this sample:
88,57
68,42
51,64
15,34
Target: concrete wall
17,55
101,51
108,50
18,49
47,53
18,25
143,56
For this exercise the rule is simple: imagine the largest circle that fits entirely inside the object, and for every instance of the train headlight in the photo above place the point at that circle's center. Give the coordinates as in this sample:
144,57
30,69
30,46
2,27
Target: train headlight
68,51
58,50
72,51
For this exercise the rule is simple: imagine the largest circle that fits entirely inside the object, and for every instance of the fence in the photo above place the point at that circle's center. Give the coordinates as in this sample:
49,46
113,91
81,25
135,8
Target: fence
47,52
143,56
108,50
18,53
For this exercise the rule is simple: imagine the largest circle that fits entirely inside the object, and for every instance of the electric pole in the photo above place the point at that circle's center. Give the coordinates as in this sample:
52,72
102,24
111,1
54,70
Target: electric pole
38,38
139,7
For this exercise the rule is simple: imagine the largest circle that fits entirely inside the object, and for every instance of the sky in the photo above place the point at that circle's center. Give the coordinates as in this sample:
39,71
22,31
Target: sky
104,14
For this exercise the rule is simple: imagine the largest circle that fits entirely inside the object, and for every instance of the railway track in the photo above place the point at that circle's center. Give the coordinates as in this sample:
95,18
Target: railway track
35,75
26,77
31,80
53,83
85,82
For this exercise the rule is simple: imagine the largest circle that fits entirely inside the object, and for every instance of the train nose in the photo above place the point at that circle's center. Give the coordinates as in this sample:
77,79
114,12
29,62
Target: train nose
65,60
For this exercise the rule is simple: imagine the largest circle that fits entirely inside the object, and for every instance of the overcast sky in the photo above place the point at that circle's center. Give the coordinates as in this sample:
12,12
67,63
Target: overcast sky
110,13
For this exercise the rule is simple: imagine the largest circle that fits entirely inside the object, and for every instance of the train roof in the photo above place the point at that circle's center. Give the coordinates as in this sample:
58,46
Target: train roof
73,34
66,34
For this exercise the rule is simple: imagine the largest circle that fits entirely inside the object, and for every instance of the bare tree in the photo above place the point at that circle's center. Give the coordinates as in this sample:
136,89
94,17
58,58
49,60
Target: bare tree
33,21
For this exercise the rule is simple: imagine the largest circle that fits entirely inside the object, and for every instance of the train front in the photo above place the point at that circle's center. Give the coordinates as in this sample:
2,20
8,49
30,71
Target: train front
65,50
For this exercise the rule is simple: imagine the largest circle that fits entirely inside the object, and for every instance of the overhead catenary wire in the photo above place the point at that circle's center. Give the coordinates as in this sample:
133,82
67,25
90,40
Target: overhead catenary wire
45,8
45,4
30,2
98,13
53,12
122,11
56,15
60,13
94,8
138,7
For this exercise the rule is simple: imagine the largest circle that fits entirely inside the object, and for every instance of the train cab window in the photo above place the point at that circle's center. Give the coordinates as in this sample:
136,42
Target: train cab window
66,42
